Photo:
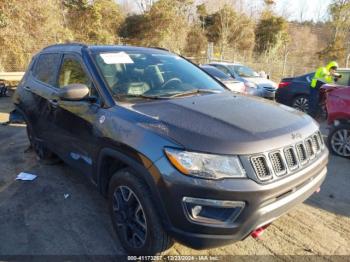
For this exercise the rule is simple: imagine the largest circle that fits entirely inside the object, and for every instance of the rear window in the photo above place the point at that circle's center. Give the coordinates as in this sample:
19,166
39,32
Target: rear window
46,68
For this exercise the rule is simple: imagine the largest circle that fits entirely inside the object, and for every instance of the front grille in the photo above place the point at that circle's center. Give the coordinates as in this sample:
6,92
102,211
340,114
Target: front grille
288,159
270,89
261,168
291,158
278,163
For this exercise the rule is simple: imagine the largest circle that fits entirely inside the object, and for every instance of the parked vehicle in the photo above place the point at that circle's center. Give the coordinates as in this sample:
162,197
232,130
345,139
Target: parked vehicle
227,80
178,156
254,83
295,91
338,108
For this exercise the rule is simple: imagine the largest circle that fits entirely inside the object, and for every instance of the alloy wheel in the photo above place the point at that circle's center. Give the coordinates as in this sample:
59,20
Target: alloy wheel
302,104
129,216
340,142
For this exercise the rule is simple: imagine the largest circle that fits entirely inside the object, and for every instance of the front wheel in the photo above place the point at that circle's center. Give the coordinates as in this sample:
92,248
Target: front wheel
134,216
339,140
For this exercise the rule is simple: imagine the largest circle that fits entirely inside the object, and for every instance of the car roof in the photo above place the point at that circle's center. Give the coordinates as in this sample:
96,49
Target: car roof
77,47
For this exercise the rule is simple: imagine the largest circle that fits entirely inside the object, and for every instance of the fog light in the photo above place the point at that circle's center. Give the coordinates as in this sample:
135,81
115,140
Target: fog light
196,210
212,212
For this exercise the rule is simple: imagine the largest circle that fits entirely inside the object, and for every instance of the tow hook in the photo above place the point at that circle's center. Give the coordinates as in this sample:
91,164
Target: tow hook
318,190
259,231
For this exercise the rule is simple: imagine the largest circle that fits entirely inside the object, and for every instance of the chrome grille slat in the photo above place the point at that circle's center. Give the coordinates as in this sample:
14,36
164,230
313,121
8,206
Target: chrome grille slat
302,153
289,159
309,148
278,164
261,167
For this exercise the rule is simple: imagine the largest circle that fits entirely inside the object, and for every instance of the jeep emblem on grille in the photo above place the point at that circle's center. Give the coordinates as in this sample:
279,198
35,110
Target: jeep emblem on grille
296,136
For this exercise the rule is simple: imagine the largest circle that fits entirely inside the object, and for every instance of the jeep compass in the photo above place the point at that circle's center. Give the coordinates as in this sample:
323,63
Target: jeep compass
178,156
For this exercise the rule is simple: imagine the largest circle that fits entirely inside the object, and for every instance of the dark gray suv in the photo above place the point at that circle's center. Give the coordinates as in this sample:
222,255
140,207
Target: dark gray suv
177,155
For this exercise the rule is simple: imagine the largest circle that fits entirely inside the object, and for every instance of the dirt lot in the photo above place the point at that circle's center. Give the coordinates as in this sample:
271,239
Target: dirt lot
37,219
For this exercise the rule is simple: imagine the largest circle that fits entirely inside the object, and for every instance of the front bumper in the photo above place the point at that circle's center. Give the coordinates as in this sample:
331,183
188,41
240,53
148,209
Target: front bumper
263,92
264,203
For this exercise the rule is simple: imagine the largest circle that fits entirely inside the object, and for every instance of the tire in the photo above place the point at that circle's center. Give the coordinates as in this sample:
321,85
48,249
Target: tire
339,140
42,152
134,216
301,103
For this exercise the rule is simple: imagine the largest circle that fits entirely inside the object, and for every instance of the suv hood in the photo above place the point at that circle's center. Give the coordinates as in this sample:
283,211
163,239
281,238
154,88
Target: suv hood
226,123
261,82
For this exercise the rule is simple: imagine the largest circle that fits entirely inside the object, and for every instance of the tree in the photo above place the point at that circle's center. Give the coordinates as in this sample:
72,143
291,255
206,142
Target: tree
98,22
226,28
26,27
196,42
270,32
164,25
339,46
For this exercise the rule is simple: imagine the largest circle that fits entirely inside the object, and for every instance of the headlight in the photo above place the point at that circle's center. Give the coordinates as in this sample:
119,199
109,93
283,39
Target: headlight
205,165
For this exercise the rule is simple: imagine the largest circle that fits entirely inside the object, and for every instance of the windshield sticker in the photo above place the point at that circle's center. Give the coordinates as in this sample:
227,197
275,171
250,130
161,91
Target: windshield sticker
116,58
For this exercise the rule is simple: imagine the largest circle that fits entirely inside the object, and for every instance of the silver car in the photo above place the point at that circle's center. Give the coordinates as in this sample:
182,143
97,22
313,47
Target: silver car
254,83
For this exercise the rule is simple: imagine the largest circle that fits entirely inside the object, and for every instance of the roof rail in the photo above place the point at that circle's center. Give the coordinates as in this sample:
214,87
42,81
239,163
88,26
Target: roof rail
67,44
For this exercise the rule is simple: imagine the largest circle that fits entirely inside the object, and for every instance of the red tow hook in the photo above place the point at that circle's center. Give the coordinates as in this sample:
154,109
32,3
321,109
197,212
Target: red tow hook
259,231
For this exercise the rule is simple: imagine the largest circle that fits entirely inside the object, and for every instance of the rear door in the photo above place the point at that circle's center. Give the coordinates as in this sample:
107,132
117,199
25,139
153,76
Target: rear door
39,90
76,138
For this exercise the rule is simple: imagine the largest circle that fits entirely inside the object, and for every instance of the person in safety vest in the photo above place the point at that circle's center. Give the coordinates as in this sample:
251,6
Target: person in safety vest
323,75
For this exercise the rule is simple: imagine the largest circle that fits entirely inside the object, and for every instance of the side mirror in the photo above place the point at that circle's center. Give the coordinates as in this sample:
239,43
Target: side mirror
73,92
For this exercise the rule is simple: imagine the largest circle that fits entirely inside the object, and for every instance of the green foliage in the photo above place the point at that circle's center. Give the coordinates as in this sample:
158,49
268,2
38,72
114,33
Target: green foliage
164,25
196,42
227,27
98,21
270,31
340,43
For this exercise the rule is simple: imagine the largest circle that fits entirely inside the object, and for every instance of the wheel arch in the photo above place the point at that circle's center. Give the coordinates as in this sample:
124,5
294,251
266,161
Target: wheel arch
111,160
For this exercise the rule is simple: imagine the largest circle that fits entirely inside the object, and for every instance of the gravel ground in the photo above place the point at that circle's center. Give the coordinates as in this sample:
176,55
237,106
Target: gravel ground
37,219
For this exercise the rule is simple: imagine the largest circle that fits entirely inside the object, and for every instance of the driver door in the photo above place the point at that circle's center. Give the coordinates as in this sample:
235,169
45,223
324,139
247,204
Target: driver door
75,120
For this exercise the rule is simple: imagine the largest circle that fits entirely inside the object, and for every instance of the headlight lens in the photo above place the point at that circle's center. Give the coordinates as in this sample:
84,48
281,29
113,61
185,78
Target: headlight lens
205,165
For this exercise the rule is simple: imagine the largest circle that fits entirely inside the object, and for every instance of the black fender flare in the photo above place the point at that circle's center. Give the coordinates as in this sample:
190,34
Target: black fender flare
140,170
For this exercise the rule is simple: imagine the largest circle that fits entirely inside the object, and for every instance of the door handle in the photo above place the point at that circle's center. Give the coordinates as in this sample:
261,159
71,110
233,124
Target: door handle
27,88
53,102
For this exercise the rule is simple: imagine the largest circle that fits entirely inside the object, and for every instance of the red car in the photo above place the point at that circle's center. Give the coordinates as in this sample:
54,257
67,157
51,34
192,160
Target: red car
338,109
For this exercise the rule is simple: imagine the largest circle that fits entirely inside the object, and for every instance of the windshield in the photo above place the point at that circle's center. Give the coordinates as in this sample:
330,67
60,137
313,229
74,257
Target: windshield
151,74
244,71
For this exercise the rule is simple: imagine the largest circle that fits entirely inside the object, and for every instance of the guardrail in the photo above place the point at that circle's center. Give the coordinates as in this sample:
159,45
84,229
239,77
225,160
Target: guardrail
11,76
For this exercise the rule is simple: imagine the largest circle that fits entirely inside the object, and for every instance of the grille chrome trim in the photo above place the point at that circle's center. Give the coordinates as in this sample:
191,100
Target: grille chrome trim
302,153
278,163
309,148
261,167
291,158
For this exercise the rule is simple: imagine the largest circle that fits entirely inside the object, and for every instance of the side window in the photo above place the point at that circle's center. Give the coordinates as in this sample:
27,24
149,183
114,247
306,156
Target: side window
224,69
72,72
46,68
344,80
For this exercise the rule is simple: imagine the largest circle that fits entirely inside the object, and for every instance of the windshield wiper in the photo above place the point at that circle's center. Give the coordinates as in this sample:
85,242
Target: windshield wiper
195,91
121,96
